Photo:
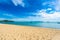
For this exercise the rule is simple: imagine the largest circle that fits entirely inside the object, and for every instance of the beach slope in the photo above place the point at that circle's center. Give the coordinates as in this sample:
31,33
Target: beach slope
13,32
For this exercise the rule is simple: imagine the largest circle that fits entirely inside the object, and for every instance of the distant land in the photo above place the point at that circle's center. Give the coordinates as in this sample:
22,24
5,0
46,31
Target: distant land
6,21
29,21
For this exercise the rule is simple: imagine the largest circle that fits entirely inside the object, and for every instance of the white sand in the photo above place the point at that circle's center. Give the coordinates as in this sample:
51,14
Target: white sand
13,32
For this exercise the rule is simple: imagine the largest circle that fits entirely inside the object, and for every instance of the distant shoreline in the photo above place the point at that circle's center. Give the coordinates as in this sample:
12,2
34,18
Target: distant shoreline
29,26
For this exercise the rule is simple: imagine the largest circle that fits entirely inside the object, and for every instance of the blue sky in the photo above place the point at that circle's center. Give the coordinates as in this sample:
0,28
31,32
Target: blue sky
30,10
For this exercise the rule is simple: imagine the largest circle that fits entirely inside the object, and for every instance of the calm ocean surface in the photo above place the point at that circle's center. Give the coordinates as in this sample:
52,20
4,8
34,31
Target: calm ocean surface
36,24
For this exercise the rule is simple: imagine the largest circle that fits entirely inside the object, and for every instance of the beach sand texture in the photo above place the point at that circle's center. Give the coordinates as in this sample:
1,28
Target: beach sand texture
13,32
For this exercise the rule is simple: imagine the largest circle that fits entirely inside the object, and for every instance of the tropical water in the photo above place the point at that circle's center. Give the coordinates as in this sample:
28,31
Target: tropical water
36,24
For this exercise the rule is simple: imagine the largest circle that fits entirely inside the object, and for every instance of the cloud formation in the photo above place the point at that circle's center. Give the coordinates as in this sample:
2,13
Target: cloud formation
43,13
54,4
18,2
30,18
44,16
8,15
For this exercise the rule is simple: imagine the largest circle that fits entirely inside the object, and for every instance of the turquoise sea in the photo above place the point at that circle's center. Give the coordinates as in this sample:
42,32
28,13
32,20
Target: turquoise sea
36,24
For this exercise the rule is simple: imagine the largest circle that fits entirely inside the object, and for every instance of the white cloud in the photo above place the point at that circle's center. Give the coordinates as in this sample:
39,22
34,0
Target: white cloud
18,2
41,15
9,15
49,9
55,4
30,18
56,13
44,16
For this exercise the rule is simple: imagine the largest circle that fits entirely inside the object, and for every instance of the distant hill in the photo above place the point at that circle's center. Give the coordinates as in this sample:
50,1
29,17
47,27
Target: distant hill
6,21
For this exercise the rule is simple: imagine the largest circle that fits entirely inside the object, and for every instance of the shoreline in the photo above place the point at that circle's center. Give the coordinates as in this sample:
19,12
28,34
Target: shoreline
15,32
30,26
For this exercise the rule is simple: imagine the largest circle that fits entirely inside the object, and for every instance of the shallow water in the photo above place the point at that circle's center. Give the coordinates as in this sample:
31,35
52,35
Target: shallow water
50,25
35,24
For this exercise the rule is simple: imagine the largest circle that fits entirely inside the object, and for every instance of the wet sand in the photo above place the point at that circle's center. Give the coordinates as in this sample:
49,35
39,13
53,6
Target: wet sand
14,32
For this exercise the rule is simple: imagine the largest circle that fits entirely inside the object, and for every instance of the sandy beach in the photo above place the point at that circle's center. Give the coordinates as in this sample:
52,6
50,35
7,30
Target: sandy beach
13,32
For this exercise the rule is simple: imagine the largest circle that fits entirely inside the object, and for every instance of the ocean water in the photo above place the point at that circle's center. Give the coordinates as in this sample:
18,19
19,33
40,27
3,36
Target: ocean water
36,24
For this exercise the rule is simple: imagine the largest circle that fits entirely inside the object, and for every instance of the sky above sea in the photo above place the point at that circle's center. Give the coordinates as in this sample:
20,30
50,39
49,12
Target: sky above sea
30,10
